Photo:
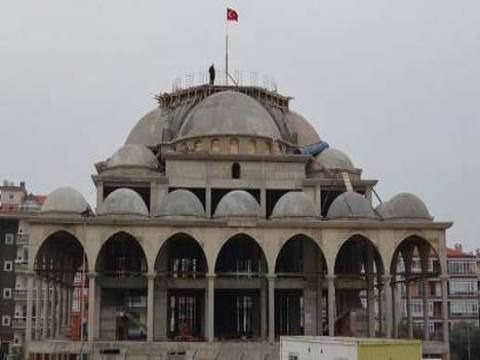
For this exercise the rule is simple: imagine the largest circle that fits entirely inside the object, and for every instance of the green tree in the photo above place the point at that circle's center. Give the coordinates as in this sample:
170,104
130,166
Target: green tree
465,342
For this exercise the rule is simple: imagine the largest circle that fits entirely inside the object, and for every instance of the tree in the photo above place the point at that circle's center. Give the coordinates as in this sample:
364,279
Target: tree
465,342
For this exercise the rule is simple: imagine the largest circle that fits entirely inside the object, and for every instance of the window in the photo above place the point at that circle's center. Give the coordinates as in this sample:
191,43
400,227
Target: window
10,196
236,171
198,146
7,293
463,307
252,146
463,287
6,320
234,146
7,266
215,146
293,356
461,267
9,239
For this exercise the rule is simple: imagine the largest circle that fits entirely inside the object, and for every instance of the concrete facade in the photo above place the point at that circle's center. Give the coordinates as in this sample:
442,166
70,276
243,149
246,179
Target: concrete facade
231,281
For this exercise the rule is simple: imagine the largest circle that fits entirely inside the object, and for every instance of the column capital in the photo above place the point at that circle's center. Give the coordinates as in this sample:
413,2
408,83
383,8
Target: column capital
330,277
210,276
386,277
271,277
151,276
444,277
92,274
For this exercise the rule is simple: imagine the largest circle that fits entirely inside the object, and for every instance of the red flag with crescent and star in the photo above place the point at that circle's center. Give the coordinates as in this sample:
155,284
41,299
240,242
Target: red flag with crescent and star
232,15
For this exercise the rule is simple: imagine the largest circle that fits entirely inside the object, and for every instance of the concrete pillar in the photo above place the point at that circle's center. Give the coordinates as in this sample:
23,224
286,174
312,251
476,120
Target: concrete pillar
58,324
150,303
65,307
444,280
395,305
208,201
28,328
263,310
426,319
53,299
408,298
388,304
99,185
46,302
370,292
331,304
91,306
38,316
210,307
263,201
271,308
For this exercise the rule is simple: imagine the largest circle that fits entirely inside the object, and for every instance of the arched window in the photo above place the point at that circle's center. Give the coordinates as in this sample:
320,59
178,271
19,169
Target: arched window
236,171
234,146
252,146
215,146
268,147
198,146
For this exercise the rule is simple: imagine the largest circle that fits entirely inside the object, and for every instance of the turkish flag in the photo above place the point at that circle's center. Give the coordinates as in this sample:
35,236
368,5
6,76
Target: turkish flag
232,15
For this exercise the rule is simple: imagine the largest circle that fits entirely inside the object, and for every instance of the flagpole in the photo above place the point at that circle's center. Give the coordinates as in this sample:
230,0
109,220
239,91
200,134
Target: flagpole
226,51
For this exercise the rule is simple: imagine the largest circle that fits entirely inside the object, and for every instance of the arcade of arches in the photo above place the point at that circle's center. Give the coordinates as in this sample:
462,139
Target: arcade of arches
240,291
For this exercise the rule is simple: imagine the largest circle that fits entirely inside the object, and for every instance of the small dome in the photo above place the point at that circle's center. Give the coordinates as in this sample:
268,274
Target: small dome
351,205
306,133
237,203
404,206
133,155
181,203
229,113
149,129
294,204
65,200
333,159
123,202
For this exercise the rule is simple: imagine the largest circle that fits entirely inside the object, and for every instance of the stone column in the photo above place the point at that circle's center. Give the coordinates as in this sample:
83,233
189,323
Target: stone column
263,201
444,280
263,309
370,293
408,298
388,304
150,303
331,304
46,302
38,316
319,303
28,328
58,324
426,319
65,308
210,307
271,308
91,307
208,201
53,299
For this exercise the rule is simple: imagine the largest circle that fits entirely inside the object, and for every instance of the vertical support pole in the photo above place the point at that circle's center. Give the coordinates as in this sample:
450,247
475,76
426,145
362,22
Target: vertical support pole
46,302
271,308
424,256
53,299
263,201
444,280
370,292
211,307
409,305
58,324
150,303
38,316
319,280
28,329
65,308
395,313
388,304
91,306
263,309
331,304
208,202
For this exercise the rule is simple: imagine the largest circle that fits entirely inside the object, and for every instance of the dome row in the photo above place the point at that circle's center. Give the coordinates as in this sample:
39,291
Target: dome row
238,203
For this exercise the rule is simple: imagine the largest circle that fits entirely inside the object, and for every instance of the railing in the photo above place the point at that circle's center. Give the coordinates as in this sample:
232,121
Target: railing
236,78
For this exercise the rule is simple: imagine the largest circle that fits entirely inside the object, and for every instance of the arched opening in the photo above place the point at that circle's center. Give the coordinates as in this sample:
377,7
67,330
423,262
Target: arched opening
182,260
359,285
415,270
240,312
122,289
236,170
60,265
300,270
252,146
215,146
234,146
198,145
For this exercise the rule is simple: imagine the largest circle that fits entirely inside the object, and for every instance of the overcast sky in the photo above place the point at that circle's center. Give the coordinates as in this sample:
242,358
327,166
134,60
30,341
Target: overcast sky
395,84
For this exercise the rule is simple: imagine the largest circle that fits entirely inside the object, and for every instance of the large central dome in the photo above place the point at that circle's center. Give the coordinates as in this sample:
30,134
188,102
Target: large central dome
229,113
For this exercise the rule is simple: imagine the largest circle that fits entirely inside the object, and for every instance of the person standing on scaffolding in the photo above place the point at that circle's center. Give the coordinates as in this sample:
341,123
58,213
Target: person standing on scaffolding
211,71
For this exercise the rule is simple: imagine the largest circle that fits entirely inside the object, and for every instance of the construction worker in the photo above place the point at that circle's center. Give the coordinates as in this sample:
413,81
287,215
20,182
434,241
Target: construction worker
211,71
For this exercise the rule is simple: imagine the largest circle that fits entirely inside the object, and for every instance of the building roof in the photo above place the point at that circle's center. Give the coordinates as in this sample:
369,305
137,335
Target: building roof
237,203
123,201
404,206
149,129
333,159
306,133
229,113
295,204
351,205
181,203
458,253
65,200
133,155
